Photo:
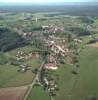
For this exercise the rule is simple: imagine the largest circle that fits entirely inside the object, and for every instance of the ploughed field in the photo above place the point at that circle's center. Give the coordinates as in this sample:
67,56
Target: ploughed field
15,93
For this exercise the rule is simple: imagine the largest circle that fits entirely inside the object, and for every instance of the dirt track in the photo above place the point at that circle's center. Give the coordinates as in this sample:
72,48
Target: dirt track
15,93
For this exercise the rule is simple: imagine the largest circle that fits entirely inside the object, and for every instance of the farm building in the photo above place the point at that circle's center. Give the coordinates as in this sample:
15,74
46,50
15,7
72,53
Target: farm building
51,66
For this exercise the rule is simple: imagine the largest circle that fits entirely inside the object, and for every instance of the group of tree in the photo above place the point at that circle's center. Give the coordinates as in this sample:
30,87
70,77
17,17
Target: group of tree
86,19
3,58
79,31
10,39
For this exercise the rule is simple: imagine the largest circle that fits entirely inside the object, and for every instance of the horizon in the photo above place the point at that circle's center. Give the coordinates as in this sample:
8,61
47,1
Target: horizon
46,2
50,4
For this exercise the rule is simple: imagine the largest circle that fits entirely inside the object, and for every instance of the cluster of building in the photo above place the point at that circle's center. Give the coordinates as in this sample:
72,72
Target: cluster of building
55,50
50,85
51,65
20,55
53,28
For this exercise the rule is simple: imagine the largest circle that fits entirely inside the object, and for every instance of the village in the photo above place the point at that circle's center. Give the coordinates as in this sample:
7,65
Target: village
50,58
57,48
55,44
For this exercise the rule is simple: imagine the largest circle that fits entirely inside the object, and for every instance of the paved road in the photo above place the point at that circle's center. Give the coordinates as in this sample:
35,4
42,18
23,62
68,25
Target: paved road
34,81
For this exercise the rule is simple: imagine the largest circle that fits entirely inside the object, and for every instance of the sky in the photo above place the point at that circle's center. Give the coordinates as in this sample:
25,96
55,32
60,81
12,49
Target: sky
46,1
43,1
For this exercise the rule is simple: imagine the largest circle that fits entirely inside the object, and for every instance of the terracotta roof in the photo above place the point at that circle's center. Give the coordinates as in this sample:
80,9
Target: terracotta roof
51,65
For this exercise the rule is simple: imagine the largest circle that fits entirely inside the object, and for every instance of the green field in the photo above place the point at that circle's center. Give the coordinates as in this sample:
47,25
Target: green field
38,93
84,84
10,77
26,49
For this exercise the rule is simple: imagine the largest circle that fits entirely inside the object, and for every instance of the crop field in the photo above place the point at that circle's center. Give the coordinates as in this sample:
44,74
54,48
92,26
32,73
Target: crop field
16,93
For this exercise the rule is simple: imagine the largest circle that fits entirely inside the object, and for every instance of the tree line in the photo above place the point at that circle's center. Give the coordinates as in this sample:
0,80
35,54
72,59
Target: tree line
10,39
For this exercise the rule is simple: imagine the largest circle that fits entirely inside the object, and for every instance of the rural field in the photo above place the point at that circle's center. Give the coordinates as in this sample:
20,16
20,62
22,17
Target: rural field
49,55
13,93
83,85
38,94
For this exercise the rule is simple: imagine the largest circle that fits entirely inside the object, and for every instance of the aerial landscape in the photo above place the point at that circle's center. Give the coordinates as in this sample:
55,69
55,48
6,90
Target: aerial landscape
49,50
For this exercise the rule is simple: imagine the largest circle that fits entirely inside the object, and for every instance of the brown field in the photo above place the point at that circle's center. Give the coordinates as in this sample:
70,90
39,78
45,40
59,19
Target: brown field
15,93
94,45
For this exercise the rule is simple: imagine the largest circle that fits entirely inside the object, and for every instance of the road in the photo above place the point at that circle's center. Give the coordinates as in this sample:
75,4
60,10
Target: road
34,81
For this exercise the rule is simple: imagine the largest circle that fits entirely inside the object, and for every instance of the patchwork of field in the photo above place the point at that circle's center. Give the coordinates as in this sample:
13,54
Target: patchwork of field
80,86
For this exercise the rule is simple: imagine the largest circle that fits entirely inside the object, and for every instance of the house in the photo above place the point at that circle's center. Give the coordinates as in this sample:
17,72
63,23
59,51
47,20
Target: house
24,34
52,85
50,43
78,40
23,67
35,54
51,66
36,19
51,59
60,49
19,58
55,29
46,81
54,49
20,55
45,26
